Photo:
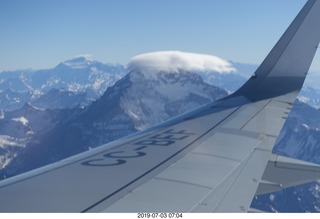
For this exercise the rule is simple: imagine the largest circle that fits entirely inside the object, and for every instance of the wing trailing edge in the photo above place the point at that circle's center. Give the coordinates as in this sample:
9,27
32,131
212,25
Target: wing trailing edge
283,172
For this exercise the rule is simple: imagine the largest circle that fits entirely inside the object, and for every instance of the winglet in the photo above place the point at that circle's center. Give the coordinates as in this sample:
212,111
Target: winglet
285,68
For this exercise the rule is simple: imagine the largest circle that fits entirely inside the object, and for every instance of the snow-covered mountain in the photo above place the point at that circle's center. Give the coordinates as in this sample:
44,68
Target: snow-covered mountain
11,100
300,137
231,81
139,100
81,78
18,128
61,99
311,95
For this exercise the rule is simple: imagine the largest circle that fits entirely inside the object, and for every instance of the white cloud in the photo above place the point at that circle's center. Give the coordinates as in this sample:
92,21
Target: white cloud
174,61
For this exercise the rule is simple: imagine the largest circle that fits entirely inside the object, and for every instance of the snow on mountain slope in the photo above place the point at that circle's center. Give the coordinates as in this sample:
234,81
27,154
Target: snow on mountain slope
168,94
82,61
213,70
311,96
172,85
20,128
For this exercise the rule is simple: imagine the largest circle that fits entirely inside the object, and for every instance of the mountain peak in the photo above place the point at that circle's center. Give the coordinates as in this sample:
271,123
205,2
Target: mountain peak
81,61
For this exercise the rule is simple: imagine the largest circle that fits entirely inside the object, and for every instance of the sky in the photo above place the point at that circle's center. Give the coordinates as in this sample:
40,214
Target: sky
39,34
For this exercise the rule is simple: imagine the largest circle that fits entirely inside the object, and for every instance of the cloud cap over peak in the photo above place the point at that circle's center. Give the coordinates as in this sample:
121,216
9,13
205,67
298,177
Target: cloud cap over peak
175,61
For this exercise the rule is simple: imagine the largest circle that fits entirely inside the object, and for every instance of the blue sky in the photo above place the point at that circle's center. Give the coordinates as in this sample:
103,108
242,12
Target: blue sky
41,33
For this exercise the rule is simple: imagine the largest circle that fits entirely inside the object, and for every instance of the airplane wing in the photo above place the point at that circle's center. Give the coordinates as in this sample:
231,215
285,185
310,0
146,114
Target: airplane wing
213,159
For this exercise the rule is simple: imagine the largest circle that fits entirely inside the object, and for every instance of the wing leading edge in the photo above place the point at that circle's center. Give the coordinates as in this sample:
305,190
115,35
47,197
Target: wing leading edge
213,159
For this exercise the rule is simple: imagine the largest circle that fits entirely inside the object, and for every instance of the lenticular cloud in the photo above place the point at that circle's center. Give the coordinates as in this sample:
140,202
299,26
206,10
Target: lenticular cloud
175,61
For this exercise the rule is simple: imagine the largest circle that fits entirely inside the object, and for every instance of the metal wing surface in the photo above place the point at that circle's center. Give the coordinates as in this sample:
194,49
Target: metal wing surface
213,159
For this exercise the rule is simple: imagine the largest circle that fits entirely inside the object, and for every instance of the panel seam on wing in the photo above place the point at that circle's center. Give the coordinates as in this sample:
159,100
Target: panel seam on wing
218,156
182,182
252,117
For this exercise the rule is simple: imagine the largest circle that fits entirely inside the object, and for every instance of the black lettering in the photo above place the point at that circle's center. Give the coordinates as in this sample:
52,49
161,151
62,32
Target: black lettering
138,154
155,142
165,138
98,163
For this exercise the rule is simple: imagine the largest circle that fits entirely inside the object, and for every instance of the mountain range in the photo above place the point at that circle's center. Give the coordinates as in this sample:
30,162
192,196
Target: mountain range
123,109
48,115
77,81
